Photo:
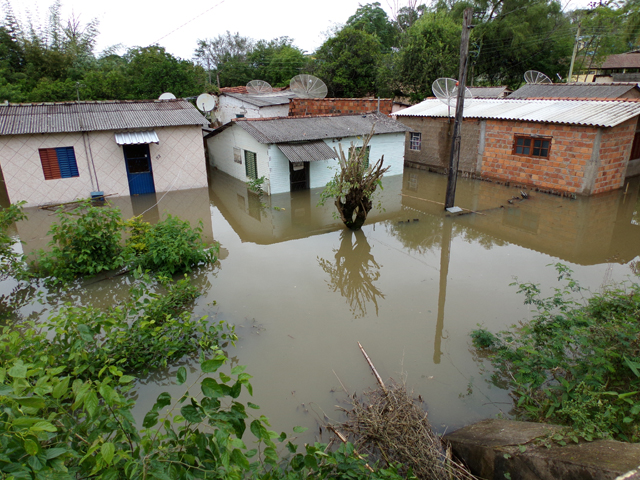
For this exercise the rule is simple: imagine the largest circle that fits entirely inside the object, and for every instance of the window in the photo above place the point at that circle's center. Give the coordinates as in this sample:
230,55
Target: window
365,158
58,163
251,164
532,146
415,141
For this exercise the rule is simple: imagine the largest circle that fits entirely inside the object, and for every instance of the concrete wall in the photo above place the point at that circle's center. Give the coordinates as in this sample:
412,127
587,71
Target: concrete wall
327,106
436,143
177,163
274,165
221,156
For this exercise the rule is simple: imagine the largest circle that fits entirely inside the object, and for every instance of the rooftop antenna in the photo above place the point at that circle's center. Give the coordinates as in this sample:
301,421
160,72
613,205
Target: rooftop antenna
535,77
308,86
167,96
446,90
259,87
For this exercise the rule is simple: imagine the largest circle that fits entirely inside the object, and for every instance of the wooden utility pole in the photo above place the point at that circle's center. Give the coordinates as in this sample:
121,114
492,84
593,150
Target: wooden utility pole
454,159
573,56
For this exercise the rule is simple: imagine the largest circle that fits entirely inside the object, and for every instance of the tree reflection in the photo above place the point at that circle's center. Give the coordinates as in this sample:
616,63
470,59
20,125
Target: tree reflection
354,272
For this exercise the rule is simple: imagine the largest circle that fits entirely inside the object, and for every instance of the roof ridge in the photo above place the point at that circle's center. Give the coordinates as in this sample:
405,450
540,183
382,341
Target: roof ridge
92,102
294,117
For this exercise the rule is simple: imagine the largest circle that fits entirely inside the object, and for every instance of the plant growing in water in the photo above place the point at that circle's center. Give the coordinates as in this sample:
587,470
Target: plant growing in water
354,184
574,364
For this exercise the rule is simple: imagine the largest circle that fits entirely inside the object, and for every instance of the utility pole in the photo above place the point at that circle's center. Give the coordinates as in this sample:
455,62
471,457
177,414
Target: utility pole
575,51
454,159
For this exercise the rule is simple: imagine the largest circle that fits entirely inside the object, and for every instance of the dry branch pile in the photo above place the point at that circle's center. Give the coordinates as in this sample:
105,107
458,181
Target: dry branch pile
391,426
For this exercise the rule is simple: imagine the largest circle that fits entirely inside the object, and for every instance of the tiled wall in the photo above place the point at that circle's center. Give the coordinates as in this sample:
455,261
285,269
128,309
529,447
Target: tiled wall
178,163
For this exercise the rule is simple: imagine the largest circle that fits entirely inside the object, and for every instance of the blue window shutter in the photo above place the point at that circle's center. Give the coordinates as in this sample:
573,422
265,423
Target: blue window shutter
67,162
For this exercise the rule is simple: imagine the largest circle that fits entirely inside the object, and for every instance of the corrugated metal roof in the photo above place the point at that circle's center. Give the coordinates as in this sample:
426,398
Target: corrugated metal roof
296,129
264,100
21,119
574,90
603,113
622,60
489,92
307,152
137,138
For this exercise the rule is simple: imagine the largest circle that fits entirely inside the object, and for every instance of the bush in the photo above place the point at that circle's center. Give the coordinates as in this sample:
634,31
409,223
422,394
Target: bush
574,364
86,241
12,263
168,247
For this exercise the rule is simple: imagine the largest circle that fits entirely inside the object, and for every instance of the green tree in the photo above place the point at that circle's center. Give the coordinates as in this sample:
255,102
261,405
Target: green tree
222,56
348,61
372,19
276,61
152,71
429,49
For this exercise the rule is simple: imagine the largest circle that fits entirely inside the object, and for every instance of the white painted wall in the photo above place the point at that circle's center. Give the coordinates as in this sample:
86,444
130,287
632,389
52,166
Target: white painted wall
221,147
273,164
178,162
228,107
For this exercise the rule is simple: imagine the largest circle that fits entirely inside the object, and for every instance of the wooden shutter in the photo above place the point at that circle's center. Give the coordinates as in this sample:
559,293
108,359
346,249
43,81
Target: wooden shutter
67,162
49,160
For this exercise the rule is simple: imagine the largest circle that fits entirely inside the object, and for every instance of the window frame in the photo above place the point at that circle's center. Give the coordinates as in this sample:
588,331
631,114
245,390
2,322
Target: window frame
528,142
413,143
58,163
247,159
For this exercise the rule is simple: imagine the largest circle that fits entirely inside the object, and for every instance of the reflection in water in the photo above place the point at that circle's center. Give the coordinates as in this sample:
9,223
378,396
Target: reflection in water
354,272
445,255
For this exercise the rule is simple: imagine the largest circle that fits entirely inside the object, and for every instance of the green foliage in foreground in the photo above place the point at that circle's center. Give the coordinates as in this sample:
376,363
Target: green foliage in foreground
87,241
574,364
66,402
12,262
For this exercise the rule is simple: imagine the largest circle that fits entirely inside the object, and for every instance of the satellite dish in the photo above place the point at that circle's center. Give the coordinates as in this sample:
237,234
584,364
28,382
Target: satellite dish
258,87
535,77
446,90
167,96
308,86
205,102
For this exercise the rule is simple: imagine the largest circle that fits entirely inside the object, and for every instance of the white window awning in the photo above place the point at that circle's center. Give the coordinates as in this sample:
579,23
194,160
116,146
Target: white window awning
137,138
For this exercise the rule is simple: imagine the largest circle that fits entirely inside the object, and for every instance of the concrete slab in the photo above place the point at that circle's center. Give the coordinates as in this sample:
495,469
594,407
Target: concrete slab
499,449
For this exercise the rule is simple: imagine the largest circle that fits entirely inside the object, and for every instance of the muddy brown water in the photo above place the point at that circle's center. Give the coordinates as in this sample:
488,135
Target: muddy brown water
302,290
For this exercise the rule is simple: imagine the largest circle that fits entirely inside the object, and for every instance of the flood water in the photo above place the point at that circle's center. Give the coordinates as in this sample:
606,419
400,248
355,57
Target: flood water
302,290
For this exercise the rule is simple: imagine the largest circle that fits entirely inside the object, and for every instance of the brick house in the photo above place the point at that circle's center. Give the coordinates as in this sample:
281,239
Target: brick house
60,152
297,153
579,147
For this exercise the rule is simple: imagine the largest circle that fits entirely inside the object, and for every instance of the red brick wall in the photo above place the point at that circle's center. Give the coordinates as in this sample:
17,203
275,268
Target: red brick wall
615,148
323,106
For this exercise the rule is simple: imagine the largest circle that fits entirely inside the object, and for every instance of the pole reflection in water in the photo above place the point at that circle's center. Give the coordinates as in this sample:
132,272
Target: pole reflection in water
445,255
354,272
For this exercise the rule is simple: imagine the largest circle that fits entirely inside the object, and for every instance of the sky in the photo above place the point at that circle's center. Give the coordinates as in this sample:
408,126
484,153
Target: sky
177,26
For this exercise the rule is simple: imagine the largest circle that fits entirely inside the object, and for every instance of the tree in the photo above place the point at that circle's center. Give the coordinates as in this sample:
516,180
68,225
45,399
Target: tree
276,61
430,49
152,71
372,19
347,62
354,184
214,54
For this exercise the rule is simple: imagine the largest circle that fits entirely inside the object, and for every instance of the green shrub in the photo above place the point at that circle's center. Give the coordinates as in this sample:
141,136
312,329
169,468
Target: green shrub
168,247
86,241
574,364
11,262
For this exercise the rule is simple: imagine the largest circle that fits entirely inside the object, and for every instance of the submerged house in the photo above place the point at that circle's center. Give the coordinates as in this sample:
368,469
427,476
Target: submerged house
294,153
59,152
565,146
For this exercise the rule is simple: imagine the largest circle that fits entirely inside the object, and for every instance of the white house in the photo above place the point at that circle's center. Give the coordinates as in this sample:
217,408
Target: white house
236,102
59,152
295,153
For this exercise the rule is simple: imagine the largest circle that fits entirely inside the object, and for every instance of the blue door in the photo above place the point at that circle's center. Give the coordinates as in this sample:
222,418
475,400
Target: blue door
139,171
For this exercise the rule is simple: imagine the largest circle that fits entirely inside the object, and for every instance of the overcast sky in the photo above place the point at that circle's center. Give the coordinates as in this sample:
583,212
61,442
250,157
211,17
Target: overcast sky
177,25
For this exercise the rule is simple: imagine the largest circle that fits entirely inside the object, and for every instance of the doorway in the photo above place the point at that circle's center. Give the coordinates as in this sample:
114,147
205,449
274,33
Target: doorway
299,176
139,172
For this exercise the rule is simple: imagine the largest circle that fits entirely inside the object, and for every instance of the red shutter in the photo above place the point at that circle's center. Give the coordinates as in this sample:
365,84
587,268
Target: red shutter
50,166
